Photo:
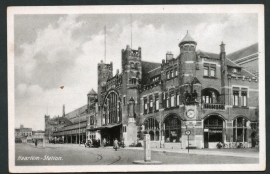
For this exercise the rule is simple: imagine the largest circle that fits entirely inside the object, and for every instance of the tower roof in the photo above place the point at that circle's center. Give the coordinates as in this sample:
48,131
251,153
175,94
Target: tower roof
187,38
92,92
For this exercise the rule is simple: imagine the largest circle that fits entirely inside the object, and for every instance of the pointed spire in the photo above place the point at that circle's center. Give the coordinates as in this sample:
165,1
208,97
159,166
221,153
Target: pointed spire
187,38
92,92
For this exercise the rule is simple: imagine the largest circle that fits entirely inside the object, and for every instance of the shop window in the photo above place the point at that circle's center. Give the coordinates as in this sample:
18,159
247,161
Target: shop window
240,129
235,98
157,136
172,129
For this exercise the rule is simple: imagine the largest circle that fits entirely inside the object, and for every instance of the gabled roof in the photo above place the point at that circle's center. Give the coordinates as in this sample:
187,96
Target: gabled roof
149,69
208,55
92,92
244,52
76,112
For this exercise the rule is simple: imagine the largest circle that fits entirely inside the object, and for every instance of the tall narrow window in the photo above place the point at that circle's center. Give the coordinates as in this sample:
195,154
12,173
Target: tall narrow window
205,71
167,101
171,73
168,75
176,72
244,96
235,97
145,105
172,100
177,99
213,72
157,103
151,104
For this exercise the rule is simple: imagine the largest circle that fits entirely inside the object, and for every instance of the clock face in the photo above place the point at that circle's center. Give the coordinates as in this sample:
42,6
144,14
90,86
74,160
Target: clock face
190,113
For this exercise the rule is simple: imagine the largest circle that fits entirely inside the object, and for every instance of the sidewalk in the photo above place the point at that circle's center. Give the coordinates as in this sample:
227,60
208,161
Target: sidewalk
243,152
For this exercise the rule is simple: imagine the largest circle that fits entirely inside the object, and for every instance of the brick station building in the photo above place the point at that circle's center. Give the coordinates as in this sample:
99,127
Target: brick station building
206,93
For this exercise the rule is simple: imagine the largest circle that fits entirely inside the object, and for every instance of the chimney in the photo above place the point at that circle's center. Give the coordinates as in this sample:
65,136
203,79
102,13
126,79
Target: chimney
222,47
169,56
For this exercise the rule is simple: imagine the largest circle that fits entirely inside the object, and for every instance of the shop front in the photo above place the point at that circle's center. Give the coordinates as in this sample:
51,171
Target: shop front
213,131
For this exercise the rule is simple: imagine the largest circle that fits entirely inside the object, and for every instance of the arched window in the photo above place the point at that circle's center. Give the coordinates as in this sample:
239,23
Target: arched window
152,138
152,126
240,129
157,136
172,127
111,108
168,75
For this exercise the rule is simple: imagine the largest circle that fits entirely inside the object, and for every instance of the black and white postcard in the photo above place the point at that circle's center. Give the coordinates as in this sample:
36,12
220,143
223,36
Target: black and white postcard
136,88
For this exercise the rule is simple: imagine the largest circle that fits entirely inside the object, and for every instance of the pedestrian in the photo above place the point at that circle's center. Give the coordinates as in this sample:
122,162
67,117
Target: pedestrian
104,142
36,142
115,144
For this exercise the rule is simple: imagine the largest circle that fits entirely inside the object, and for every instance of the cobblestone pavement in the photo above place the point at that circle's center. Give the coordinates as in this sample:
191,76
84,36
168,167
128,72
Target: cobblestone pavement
73,154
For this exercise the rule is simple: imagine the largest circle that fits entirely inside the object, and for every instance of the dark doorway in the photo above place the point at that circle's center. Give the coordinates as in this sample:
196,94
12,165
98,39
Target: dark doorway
213,130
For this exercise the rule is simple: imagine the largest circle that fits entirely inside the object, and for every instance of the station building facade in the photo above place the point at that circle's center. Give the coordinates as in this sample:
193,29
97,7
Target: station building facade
205,93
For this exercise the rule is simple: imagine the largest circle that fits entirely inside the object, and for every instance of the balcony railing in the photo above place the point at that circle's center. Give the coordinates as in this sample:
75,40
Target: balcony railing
214,106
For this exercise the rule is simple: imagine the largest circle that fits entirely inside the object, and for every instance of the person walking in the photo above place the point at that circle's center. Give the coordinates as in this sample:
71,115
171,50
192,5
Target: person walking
36,142
104,142
115,144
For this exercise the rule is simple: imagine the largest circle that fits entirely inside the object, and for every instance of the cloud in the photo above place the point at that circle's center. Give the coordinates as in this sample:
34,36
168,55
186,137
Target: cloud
62,55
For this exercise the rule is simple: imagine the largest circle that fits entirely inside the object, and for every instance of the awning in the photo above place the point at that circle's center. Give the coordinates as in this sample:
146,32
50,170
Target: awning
107,126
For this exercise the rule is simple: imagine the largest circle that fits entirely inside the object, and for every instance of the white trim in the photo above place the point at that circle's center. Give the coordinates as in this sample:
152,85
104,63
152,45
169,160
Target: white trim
246,56
249,60
189,61
154,69
217,64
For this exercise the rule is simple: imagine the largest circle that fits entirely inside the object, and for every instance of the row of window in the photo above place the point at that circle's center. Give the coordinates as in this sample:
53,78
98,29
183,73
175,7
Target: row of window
239,94
172,73
169,100
209,70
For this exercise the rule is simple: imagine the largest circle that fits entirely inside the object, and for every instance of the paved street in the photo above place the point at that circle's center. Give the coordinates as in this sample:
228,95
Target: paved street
73,154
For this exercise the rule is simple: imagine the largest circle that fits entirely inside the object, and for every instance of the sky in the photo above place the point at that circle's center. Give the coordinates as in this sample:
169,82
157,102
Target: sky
64,50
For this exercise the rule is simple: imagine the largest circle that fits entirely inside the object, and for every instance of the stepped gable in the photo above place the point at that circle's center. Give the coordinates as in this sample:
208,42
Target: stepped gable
149,69
252,49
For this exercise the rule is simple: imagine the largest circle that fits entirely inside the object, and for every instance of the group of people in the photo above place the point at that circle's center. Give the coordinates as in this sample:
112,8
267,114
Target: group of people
115,143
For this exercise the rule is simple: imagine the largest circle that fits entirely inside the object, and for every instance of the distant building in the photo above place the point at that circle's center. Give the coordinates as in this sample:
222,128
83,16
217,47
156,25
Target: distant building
22,133
83,122
39,134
